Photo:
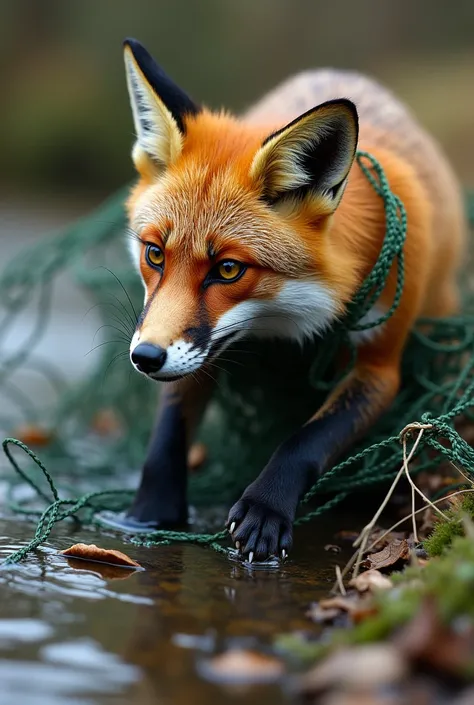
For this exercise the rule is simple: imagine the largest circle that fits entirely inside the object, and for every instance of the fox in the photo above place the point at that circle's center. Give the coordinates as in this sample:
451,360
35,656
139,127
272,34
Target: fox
263,224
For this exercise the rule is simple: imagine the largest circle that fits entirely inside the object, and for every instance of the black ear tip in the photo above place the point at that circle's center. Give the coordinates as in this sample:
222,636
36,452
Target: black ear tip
134,45
351,107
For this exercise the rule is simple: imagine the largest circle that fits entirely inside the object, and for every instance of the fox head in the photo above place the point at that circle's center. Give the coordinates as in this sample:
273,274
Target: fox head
230,222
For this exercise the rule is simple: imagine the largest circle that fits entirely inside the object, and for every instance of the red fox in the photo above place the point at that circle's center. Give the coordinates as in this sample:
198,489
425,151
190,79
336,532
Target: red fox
265,225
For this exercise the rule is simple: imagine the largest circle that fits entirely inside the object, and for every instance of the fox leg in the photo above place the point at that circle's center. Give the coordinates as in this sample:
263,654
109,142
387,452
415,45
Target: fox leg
261,521
161,498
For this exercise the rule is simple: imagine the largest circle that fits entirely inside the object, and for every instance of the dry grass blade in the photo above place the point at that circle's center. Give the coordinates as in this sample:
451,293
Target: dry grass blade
364,536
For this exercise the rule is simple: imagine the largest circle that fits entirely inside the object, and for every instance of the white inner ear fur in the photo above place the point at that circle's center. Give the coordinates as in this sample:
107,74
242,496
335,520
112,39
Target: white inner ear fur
279,164
157,133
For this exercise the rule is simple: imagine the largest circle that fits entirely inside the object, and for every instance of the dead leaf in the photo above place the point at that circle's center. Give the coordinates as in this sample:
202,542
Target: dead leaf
363,667
352,605
106,422
397,551
238,666
91,552
375,535
197,456
105,570
426,640
371,580
345,603
33,435
378,532
332,547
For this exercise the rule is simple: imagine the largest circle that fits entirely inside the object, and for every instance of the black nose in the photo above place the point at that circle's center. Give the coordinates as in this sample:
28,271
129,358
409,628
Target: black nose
149,358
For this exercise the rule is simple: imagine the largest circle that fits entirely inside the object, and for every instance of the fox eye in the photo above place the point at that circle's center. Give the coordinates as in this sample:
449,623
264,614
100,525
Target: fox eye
155,256
229,270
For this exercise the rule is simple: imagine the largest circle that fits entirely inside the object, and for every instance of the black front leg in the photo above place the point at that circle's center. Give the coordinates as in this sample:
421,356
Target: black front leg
161,500
261,521
161,497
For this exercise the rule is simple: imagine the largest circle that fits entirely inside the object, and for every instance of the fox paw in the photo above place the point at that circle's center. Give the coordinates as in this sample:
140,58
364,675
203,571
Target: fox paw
259,531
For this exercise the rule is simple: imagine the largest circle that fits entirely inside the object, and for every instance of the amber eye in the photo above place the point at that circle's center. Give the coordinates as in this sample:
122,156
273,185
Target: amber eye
229,269
154,256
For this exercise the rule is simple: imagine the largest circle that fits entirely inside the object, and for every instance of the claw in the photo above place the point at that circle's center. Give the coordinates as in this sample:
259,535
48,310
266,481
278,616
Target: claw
237,545
250,556
232,527
283,554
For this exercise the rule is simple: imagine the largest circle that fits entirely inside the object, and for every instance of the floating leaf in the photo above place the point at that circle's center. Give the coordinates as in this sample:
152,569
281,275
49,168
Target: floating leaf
105,570
91,552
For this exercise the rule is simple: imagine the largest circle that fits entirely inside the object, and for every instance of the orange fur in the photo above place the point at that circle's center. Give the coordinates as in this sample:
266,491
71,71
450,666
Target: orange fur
208,196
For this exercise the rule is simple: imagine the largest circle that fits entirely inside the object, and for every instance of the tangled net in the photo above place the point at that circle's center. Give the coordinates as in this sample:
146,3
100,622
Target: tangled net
260,398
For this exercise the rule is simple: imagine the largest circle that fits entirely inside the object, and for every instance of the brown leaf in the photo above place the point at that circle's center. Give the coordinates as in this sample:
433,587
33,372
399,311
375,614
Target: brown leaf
371,580
105,570
106,422
426,640
378,532
91,552
238,666
33,435
397,551
345,603
361,668
197,456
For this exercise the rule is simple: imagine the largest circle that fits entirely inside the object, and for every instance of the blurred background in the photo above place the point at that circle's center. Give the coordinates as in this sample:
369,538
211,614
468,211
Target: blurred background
65,127
65,124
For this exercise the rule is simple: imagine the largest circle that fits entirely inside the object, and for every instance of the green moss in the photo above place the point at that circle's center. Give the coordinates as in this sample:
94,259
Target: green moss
442,536
448,579
445,531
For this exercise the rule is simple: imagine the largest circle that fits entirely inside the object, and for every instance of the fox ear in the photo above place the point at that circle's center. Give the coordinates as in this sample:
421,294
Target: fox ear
310,157
159,110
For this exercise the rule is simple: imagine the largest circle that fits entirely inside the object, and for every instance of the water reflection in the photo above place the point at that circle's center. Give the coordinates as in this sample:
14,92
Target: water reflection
77,632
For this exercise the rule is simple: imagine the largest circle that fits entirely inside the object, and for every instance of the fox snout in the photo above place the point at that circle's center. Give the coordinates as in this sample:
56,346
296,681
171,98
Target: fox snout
148,358
168,363
179,358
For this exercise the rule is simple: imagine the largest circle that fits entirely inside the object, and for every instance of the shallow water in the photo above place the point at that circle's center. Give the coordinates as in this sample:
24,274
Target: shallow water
71,635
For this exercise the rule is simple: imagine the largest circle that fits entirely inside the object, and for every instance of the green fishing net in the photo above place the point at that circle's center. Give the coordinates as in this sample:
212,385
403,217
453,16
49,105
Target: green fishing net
264,390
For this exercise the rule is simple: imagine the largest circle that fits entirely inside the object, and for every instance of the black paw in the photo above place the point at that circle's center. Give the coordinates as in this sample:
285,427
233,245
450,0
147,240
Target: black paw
259,531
